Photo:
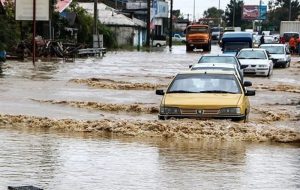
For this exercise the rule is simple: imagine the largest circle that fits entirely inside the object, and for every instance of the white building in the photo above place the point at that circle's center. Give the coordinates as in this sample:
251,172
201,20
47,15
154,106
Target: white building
129,31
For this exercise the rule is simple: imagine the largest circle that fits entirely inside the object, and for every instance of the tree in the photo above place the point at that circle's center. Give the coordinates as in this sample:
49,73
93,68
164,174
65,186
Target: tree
215,14
9,30
279,11
233,12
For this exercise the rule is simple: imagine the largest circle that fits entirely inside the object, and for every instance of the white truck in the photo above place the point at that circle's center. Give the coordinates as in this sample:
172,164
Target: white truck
289,29
289,26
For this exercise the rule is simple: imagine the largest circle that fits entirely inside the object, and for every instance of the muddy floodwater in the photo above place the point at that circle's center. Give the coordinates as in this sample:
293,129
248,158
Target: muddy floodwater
92,124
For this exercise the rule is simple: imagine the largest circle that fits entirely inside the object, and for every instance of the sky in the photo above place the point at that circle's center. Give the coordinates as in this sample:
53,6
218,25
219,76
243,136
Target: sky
187,6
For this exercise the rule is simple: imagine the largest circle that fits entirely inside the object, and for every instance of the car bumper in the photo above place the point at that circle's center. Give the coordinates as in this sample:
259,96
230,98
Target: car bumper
257,71
279,63
202,117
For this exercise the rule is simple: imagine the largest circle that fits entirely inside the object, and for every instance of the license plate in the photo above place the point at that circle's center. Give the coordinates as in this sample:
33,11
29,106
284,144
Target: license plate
249,70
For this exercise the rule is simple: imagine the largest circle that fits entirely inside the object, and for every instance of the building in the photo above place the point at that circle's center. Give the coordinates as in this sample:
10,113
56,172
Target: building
129,31
159,14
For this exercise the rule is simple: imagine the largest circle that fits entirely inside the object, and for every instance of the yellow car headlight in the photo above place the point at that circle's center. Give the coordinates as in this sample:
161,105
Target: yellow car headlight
229,111
169,111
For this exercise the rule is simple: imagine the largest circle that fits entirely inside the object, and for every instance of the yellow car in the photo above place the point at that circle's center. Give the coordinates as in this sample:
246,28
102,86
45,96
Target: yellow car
206,94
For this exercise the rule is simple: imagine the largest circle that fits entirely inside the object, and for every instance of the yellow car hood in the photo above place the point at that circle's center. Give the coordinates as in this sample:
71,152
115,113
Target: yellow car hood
202,100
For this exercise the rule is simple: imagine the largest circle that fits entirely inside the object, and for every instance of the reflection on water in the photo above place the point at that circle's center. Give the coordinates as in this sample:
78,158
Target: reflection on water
82,161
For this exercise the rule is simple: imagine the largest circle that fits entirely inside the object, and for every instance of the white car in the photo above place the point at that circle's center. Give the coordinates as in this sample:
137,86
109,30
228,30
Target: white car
218,66
178,38
280,54
256,61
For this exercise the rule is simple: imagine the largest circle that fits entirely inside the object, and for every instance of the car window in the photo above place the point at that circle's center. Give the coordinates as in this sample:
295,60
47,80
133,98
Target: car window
235,46
274,49
250,54
192,30
217,59
204,83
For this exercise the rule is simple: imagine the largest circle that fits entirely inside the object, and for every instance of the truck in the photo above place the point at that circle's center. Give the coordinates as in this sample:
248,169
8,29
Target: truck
233,42
289,26
289,29
198,36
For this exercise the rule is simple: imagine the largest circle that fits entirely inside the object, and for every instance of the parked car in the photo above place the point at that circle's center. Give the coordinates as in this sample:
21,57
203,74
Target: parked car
206,94
218,66
256,61
159,41
280,54
178,38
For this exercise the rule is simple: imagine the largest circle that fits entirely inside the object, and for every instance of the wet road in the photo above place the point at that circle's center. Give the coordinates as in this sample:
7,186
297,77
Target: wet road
54,160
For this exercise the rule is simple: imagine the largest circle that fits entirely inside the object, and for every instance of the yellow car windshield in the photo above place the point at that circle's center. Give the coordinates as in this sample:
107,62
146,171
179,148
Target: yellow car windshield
205,83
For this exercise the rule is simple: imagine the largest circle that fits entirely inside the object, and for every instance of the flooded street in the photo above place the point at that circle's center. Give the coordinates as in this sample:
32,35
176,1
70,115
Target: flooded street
85,161
92,124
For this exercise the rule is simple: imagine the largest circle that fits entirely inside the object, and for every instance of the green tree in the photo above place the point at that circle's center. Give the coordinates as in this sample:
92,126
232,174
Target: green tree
279,11
215,14
84,23
233,12
9,30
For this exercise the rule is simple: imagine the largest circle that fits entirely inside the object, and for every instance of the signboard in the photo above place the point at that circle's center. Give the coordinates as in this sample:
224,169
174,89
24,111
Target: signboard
136,5
254,12
250,12
263,12
24,10
162,10
61,5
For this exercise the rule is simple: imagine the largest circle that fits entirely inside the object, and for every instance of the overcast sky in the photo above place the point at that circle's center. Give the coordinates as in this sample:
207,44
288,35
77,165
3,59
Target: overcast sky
186,6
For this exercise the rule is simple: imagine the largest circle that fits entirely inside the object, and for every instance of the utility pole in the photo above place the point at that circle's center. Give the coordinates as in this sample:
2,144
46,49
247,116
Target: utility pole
259,9
233,15
219,14
148,24
95,16
194,12
290,10
171,26
34,31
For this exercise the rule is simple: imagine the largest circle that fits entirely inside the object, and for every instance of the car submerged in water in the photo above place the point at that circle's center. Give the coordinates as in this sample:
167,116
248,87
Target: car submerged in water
218,66
280,54
206,94
256,62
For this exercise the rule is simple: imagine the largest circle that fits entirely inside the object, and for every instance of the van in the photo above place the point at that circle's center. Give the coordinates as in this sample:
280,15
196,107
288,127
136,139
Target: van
233,42
287,35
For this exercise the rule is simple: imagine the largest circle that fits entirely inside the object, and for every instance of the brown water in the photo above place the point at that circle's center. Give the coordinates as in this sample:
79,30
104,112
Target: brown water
92,124
85,161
